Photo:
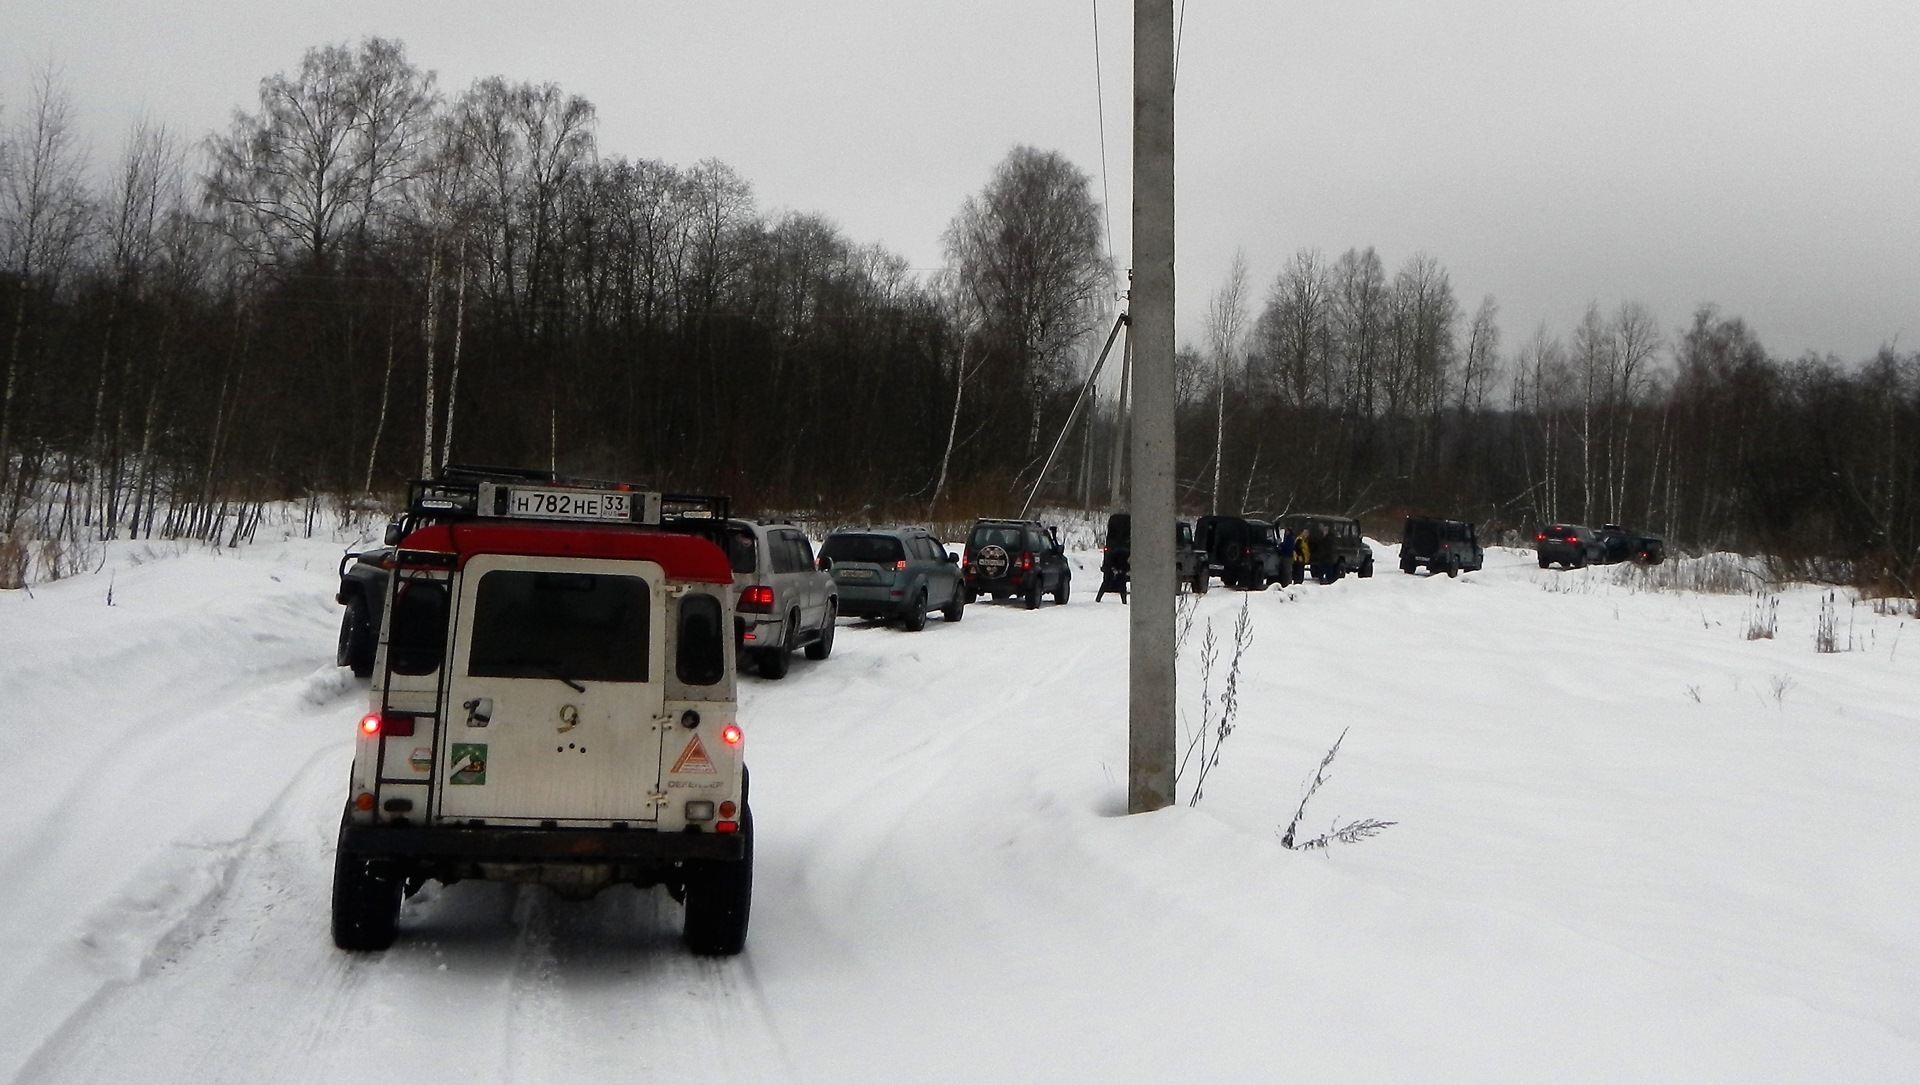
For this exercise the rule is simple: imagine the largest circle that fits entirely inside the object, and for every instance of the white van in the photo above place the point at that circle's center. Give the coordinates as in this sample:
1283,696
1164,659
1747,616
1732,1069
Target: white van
552,701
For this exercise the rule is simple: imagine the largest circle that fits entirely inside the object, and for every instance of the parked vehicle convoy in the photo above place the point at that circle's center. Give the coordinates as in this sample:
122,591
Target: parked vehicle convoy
786,602
1626,544
1571,546
894,574
1243,553
1334,543
1016,559
1442,546
553,702
1116,557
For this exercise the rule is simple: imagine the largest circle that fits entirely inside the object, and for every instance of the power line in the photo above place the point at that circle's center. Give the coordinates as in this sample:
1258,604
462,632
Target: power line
1179,34
1100,101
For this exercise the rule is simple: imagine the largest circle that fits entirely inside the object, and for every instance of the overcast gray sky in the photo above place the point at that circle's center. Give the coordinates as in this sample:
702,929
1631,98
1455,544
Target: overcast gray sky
1763,155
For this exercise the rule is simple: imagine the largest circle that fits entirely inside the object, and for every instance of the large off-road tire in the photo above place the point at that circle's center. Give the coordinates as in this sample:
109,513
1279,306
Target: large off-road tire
357,637
1366,567
366,900
1453,569
775,660
720,901
1544,562
1065,589
822,648
956,607
1408,565
1033,592
915,619
1202,581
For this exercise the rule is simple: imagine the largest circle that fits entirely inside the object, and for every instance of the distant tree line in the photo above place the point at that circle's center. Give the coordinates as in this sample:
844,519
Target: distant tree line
365,276
1378,396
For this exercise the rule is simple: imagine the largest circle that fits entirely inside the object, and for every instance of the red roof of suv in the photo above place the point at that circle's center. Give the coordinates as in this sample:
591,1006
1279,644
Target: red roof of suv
684,557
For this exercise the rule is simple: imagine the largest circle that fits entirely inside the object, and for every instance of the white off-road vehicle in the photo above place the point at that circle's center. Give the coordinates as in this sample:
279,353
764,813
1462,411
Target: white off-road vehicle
552,702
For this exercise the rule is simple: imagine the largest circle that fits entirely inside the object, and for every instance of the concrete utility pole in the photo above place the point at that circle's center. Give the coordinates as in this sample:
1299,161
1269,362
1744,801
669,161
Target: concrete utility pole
1150,650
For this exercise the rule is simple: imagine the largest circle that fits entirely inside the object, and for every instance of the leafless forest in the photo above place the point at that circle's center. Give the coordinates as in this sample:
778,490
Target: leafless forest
366,275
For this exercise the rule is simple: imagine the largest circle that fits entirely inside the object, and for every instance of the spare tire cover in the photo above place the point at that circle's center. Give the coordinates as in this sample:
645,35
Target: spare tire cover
992,561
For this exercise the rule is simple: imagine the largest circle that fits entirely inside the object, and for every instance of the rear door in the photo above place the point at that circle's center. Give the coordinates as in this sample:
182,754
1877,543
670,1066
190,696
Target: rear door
555,696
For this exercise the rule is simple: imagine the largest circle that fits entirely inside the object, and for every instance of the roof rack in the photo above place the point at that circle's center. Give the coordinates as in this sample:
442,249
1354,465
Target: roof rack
467,491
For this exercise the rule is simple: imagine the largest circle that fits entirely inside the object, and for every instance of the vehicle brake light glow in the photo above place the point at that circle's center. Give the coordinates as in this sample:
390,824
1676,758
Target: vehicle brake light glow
1026,560
899,565
730,734
726,826
364,801
370,724
727,809
757,599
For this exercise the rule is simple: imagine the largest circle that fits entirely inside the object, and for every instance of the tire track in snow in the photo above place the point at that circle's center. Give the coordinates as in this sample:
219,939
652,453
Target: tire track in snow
141,944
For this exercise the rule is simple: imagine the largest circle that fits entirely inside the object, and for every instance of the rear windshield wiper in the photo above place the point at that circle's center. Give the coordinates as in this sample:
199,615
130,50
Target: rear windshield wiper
556,672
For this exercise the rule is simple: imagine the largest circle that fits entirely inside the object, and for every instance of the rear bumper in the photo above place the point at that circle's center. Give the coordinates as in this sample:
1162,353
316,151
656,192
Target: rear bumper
421,844
858,600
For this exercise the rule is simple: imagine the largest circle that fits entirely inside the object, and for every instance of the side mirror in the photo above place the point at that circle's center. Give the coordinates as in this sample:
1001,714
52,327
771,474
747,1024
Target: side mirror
394,534
825,564
952,558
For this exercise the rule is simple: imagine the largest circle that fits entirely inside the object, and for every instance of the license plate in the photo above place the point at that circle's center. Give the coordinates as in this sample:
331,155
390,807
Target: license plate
857,574
569,504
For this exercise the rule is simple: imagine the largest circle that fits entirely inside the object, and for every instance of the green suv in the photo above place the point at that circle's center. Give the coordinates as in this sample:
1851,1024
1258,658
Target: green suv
891,573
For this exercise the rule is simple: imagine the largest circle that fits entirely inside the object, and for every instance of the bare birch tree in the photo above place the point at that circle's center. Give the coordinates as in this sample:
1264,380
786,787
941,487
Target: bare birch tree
44,213
1226,326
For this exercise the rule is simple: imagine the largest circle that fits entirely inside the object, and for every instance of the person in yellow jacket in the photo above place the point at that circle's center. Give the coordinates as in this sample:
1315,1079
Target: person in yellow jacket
1302,554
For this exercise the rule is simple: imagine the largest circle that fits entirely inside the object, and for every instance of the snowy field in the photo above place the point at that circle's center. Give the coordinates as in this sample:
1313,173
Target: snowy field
1630,846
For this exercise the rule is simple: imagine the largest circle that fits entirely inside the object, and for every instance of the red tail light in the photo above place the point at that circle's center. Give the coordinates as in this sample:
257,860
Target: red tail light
1539,538
899,565
1026,561
730,734
395,726
757,600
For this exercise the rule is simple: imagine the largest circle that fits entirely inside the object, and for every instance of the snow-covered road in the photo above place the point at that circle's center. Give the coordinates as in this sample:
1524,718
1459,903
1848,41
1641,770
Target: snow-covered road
1631,845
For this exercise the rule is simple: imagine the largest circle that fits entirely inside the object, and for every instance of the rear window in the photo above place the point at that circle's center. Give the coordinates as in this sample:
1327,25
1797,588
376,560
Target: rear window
587,627
418,637
874,549
1004,535
701,659
741,550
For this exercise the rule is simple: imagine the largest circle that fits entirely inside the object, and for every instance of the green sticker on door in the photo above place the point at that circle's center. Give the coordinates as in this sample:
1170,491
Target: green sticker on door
469,763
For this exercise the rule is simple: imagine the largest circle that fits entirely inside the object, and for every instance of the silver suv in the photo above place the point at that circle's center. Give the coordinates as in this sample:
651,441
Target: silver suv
785,602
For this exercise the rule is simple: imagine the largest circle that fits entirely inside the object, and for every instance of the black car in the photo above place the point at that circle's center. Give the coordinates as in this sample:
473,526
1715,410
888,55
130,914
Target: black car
1335,545
1626,544
1571,546
1244,553
1116,558
1017,559
1443,546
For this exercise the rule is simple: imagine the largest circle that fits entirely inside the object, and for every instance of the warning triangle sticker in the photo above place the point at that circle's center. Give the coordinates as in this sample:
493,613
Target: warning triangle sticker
694,759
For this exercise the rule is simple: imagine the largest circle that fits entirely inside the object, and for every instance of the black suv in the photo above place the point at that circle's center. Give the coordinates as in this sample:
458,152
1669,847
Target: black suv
1572,546
363,591
1243,553
1335,546
1443,546
1020,559
1116,558
1626,544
